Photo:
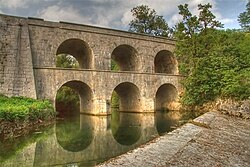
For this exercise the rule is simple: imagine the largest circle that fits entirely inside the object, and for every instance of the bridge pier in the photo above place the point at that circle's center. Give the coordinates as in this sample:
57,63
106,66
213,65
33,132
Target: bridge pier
101,107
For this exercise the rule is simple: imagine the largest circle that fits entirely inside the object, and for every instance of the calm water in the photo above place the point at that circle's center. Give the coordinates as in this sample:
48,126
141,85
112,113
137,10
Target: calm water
84,140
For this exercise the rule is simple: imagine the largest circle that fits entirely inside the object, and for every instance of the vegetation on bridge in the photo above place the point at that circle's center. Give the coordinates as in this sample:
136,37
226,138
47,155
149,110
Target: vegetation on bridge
25,109
216,62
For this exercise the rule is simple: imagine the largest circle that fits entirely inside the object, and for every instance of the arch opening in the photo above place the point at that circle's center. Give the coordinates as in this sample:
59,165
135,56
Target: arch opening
166,98
67,98
78,49
165,62
124,58
126,97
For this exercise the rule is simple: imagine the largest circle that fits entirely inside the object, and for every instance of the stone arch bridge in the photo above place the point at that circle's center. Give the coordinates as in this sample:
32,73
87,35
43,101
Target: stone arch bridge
147,78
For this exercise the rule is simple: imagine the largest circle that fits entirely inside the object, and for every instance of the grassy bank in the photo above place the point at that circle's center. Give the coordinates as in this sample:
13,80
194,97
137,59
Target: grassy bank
22,108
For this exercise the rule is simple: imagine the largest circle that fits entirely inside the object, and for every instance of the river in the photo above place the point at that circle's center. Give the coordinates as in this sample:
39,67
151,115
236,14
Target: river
85,140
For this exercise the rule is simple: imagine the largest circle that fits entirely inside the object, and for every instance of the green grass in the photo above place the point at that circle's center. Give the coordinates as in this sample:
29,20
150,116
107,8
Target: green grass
22,108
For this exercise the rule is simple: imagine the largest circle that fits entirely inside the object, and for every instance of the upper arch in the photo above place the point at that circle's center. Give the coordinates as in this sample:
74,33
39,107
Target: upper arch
79,49
126,57
165,62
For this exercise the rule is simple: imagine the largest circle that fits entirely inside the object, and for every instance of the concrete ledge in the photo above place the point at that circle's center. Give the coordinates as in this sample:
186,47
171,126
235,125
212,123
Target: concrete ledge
225,143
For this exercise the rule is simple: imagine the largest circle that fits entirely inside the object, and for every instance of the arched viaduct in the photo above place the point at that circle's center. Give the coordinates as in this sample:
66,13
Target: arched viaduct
147,78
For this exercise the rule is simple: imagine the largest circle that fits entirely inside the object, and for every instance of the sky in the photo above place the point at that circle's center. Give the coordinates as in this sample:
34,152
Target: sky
116,14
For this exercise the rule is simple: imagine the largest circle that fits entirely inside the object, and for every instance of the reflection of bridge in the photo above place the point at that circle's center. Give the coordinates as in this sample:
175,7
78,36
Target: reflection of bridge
90,139
147,79
100,143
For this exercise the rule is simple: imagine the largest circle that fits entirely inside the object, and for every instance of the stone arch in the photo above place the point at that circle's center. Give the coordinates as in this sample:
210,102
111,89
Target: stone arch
79,49
85,95
126,57
165,62
129,97
166,98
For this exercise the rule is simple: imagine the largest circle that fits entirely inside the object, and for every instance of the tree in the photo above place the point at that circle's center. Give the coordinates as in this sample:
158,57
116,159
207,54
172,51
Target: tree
146,21
194,35
244,18
66,98
216,62
66,61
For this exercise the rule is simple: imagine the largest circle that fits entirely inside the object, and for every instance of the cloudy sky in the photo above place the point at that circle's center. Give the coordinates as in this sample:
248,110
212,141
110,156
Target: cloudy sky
116,13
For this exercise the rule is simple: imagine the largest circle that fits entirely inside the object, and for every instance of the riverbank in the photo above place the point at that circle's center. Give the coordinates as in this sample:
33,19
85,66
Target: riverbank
213,139
21,115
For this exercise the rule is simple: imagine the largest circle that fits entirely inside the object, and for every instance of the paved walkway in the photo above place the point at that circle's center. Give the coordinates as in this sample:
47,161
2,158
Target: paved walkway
211,140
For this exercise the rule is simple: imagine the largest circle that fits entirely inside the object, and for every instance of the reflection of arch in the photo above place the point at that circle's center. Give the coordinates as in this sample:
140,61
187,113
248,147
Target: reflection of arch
126,58
165,121
85,94
165,62
126,127
129,96
73,134
166,97
79,49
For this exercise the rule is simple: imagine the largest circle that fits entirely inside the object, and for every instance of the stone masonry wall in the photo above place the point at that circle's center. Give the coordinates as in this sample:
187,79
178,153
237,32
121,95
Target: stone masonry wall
17,78
28,49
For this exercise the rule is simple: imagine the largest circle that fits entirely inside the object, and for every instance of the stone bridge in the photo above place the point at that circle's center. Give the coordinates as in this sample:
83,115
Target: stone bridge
147,78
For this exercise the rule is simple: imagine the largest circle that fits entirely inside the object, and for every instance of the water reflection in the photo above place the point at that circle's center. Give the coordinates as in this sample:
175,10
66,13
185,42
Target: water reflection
75,133
166,121
126,127
87,140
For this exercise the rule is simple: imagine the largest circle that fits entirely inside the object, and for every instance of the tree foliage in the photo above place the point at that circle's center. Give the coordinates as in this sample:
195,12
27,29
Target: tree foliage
216,62
66,61
65,95
146,21
244,18
22,108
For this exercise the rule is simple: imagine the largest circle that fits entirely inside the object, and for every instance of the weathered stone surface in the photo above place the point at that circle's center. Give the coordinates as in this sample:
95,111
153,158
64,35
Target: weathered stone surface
224,141
28,49
235,108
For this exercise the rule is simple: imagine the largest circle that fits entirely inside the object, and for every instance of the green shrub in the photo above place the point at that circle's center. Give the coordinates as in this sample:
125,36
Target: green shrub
22,108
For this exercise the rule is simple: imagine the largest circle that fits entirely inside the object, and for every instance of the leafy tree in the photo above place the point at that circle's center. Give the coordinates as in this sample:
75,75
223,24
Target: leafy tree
146,21
66,97
216,62
244,18
66,61
114,66
193,33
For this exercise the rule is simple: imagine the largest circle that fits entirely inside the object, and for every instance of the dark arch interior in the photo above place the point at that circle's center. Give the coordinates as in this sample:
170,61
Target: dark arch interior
79,50
166,95
165,62
129,97
125,57
85,95
126,127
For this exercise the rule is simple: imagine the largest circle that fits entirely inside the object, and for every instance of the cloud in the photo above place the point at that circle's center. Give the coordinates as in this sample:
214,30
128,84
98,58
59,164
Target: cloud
105,13
16,3
57,13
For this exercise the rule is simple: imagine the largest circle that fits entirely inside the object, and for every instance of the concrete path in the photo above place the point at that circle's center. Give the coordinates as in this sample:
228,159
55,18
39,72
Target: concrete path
211,140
